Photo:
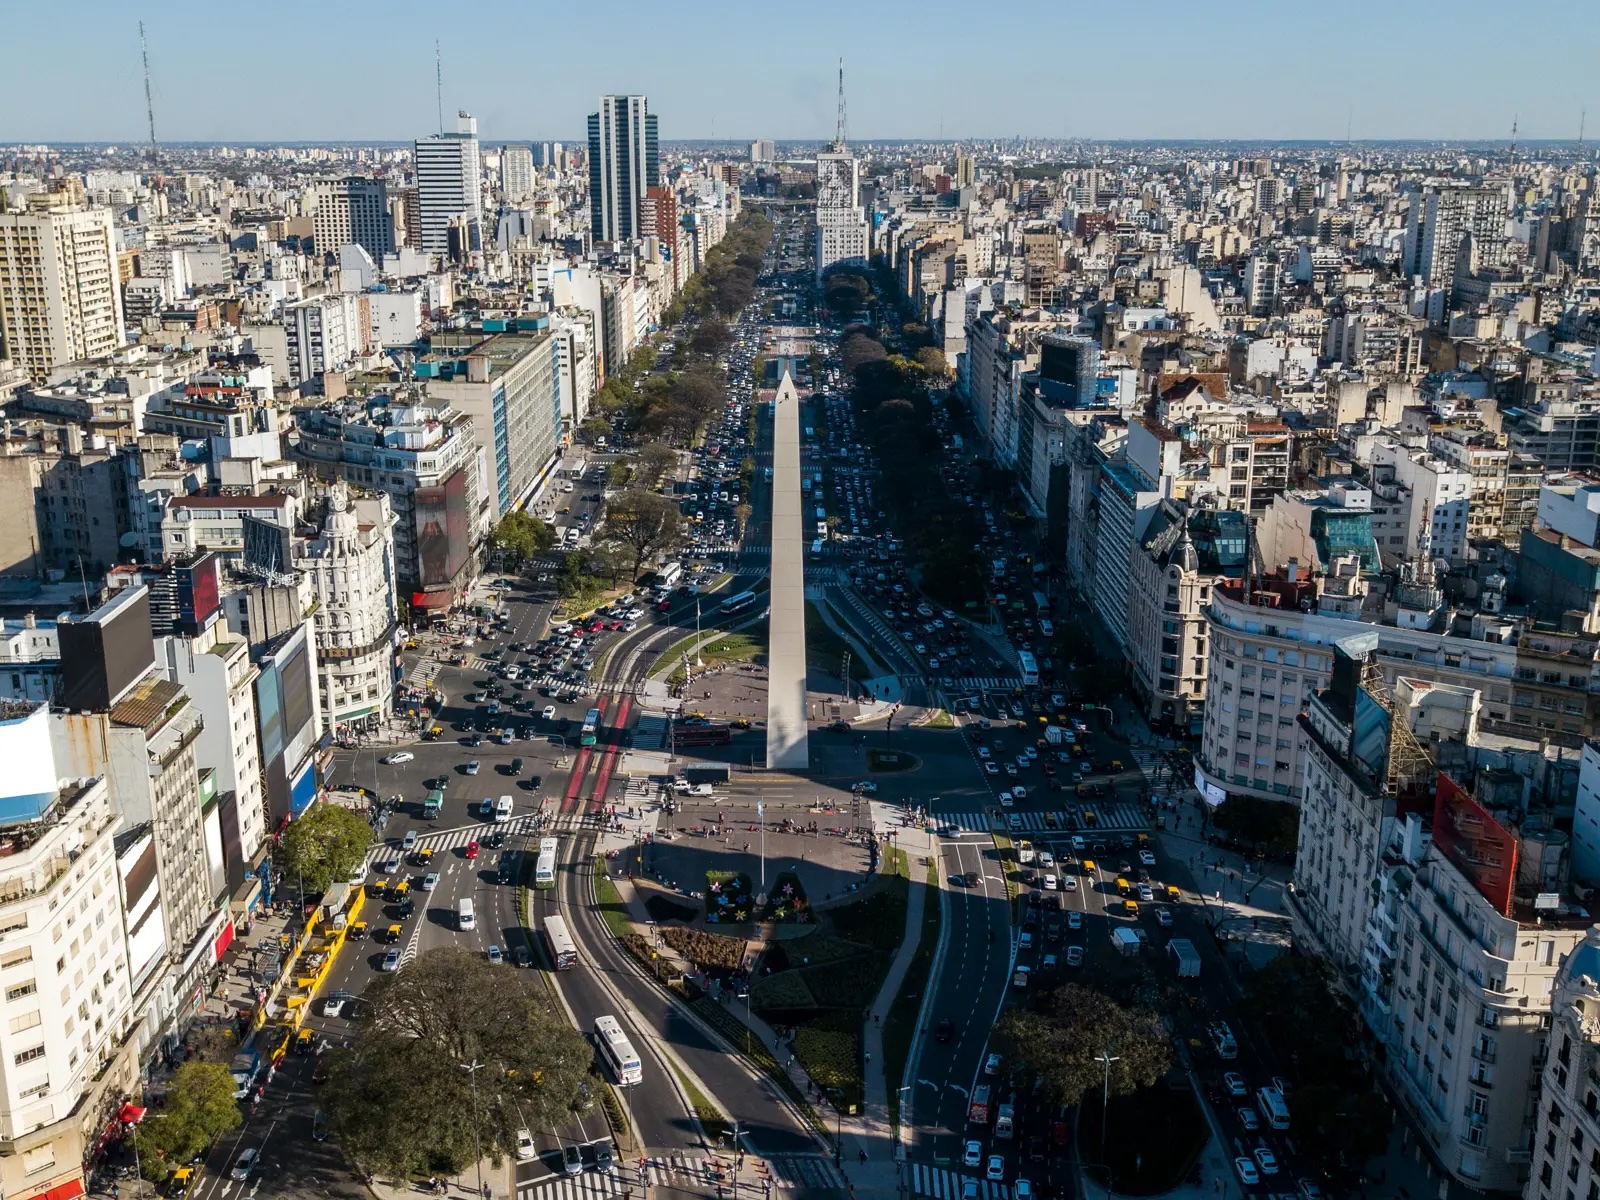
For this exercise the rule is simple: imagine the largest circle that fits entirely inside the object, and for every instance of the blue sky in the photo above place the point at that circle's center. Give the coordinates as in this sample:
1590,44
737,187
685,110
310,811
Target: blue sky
336,69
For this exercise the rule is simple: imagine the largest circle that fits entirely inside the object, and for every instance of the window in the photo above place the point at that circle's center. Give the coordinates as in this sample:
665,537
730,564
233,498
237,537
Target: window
27,1056
21,990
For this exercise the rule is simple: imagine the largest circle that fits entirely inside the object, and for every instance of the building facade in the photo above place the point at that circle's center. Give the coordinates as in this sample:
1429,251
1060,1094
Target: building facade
449,186
624,163
354,210
60,298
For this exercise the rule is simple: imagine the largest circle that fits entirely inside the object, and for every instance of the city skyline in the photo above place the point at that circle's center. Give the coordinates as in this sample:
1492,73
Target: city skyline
1237,77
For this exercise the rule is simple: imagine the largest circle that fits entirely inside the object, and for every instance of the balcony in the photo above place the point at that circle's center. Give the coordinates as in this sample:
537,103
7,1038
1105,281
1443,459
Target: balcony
1483,1054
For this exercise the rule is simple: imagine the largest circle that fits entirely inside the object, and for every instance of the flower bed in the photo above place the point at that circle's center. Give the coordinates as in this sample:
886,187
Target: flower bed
787,902
708,951
729,897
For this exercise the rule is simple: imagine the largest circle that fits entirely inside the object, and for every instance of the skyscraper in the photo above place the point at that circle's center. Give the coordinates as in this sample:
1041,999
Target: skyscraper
354,209
1440,216
763,151
624,163
516,170
841,228
449,185
59,296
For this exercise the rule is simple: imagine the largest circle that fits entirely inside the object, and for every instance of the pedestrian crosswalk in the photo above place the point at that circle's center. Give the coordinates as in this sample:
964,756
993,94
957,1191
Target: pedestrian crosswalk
778,1172
1117,816
982,683
454,839
944,1184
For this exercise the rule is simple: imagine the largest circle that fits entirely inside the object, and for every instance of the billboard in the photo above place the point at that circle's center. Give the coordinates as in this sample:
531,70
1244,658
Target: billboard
294,675
1481,848
107,652
199,592
266,546
443,527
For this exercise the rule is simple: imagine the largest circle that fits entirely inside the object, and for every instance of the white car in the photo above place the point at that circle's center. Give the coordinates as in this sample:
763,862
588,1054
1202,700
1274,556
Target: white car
1266,1160
995,1169
972,1155
1048,883
398,758
1019,792
245,1163
991,1065
1247,1171
989,768
549,713
1074,920
1147,858
1005,799
359,875
1069,883
525,1147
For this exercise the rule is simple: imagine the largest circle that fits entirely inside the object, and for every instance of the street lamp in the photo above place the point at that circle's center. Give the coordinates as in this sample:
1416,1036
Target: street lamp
1106,1058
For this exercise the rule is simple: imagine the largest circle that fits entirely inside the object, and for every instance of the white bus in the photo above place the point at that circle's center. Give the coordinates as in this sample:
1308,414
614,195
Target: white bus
1029,666
544,868
1273,1108
736,604
559,945
618,1051
502,809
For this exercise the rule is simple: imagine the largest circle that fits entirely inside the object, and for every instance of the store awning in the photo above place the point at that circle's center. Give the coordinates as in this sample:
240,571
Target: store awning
432,599
62,1191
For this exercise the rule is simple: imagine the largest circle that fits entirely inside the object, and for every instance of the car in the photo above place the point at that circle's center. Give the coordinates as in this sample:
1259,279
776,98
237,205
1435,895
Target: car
1164,917
409,842
866,788
1146,893
1006,800
245,1163
549,712
430,881
389,865
1019,792
1074,956
995,1168
526,1150
983,752
605,1159
1011,770
572,1159
991,768
1074,920
398,758
520,957
319,1126
1235,1084
969,1189
1022,1190
472,850
1266,1160
1246,1168
358,875
945,1030
1013,822
1077,842
495,956
1147,858
473,767
391,960
1249,1118
1069,883
972,1156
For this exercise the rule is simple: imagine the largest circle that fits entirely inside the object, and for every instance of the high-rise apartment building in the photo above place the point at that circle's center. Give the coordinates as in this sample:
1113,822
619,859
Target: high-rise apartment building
449,186
354,210
841,227
624,163
966,170
59,298
516,172
763,151
1439,218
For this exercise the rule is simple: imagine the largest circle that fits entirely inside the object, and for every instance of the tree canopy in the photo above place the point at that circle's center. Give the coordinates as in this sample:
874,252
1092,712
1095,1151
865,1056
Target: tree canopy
200,1108
646,523
323,846
401,1096
520,538
1070,1027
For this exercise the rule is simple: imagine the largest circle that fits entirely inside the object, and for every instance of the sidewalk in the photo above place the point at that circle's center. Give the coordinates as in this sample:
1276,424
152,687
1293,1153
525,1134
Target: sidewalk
499,1183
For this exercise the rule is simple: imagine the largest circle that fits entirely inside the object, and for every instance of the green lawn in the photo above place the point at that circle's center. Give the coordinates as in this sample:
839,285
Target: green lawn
746,645
897,1034
612,910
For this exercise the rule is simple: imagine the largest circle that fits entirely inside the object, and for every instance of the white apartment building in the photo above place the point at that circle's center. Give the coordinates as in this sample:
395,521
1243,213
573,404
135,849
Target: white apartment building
1438,219
1440,495
65,1046
1565,1156
350,568
215,669
577,364
326,333
353,211
216,523
60,299
449,185
516,172
842,236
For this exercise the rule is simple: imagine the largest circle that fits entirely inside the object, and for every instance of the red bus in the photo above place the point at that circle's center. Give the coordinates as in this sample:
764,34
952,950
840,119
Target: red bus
702,735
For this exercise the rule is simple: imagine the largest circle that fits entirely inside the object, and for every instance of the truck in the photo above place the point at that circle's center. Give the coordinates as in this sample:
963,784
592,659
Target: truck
1025,851
1005,1120
1125,940
978,1110
1052,734
246,1066
706,773
1184,957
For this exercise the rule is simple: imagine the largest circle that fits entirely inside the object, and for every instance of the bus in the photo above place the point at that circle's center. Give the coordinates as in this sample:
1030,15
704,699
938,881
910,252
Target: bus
737,604
618,1051
433,805
667,578
591,726
1029,667
544,869
559,945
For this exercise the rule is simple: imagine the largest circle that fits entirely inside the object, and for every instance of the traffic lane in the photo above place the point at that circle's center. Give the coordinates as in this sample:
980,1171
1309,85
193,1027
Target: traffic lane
970,989
754,1101
658,1113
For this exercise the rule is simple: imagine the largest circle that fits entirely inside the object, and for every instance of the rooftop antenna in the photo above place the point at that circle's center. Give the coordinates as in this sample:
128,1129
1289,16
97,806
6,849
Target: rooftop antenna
438,83
149,104
1514,140
1583,115
1349,117
838,139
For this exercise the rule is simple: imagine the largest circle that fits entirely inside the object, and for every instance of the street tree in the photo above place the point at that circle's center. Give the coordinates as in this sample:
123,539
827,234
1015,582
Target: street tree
931,359
403,1098
741,514
323,846
654,460
646,523
711,337
199,1109
520,538
1061,1038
